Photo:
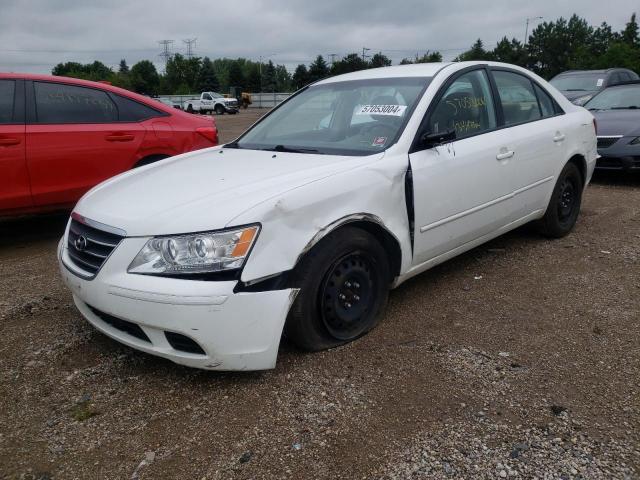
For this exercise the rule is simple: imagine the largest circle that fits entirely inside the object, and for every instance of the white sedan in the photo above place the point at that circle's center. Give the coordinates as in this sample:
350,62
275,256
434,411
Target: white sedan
304,223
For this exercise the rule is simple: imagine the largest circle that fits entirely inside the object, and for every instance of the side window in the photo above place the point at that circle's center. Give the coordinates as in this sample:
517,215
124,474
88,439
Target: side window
7,92
132,111
60,103
518,100
206,96
546,102
466,107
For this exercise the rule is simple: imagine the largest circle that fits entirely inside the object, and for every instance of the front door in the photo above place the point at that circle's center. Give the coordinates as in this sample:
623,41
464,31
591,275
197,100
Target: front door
462,190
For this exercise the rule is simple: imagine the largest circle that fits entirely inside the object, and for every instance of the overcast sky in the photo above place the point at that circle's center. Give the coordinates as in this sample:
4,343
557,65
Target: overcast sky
37,34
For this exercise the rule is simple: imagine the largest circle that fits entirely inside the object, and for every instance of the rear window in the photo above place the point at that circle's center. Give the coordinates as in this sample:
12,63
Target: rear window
60,103
132,111
7,91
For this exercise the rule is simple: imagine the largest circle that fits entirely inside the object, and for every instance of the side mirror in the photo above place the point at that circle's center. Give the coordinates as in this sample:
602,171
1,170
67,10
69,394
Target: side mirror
429,140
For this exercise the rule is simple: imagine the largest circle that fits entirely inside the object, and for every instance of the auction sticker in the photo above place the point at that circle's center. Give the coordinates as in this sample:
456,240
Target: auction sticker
392,110
379,142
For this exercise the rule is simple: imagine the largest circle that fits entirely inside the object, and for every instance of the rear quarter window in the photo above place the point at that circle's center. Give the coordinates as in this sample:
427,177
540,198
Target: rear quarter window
132,111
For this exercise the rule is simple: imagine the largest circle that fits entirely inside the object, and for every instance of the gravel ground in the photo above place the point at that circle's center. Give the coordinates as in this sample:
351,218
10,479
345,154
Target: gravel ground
518,359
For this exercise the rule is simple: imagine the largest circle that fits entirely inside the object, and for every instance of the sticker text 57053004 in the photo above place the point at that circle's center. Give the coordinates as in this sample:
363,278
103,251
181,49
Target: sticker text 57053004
393,110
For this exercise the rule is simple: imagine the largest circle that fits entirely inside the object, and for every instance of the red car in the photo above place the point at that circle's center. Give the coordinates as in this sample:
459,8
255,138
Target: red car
61,136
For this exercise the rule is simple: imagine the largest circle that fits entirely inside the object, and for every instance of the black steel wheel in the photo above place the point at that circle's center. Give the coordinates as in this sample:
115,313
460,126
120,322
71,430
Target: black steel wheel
564,206
344,286
219,109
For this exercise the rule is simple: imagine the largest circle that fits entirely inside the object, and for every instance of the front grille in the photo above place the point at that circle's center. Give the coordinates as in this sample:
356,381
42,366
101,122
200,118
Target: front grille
127,327
606,142
232,104
89,247
183,343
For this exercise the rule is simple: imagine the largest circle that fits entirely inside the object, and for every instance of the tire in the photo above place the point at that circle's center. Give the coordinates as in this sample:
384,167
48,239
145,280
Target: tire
564,206
344,287
219,109
190,108
150,159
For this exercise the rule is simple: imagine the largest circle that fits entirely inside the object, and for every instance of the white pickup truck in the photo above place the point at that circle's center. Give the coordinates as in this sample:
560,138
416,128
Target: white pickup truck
211,102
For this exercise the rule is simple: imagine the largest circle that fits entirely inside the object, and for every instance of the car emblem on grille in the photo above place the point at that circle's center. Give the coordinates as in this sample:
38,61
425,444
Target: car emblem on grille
80,243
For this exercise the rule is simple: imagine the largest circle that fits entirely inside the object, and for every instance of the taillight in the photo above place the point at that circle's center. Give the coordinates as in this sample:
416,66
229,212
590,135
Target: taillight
595,125
210,133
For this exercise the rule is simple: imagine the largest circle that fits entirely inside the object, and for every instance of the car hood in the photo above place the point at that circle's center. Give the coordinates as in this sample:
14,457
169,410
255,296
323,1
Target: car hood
618,122
572,95
204,190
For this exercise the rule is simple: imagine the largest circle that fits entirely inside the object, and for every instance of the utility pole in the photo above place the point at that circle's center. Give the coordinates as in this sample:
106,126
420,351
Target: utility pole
166,52
526,30
364,50
190,42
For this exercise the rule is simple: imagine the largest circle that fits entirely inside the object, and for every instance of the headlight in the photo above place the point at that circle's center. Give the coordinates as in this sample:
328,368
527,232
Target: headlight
195,253
581,100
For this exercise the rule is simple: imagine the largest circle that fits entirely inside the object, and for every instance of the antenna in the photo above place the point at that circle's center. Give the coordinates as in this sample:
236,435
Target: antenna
191,43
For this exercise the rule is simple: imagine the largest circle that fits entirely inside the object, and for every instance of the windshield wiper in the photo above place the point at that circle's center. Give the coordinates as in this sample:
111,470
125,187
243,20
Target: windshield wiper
284,148
630,107
231,145
575,90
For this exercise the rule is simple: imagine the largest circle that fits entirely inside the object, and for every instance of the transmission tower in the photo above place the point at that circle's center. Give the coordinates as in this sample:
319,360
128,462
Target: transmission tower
166,51
364,55
191,43
332,56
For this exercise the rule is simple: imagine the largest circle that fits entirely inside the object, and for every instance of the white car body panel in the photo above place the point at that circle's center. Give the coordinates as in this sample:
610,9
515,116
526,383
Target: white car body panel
464,194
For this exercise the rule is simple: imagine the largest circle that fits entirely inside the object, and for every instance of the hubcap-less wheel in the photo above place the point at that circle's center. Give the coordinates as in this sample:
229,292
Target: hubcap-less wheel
346,296
566,200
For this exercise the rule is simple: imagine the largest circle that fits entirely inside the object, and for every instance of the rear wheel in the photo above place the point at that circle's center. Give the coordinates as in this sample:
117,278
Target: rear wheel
344,286
564,205
219,109
190,108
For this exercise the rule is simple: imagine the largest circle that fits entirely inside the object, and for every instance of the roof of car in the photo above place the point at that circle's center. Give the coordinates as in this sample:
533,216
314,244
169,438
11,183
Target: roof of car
602,70
412,70
79,82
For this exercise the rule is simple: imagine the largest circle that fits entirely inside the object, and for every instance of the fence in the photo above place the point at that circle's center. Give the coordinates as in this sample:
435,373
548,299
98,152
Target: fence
259,100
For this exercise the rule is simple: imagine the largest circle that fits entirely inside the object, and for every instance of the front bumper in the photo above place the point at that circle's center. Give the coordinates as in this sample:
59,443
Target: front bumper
618,155
236,331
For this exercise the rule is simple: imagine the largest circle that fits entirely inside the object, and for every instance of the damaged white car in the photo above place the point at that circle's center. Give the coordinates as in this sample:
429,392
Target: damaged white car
302,225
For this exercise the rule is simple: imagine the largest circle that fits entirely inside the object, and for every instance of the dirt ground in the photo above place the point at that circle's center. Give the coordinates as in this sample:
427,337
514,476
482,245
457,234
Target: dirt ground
520,358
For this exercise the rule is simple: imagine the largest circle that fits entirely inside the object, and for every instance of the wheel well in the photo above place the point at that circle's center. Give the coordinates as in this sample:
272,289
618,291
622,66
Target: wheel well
150,159
388,241
581,163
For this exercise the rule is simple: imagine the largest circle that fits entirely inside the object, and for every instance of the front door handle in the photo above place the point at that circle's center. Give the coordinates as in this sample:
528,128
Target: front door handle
559,137
504,155
8,141
119,137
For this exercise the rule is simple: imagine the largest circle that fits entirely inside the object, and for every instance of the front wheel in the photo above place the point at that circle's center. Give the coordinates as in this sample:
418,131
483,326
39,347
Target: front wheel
344,286
219,109
564,206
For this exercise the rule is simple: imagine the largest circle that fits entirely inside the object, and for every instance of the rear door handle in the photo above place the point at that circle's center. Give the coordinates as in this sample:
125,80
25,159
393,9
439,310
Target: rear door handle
7,141
559,137
119,137
505,155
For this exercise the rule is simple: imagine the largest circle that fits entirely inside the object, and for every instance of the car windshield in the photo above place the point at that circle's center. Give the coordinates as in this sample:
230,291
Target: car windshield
357,117
616,98
216,95
578,82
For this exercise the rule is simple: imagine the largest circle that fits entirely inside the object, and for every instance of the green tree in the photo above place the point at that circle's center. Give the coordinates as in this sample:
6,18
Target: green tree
510,51
300,76
207,79
476,52
144,78
269,77
283,79
350,63
630,33
318,69
379,60
123,68
236,77
252,75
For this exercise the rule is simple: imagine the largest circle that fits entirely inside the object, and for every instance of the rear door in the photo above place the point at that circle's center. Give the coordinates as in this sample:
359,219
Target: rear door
14,177
76,140
536,130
